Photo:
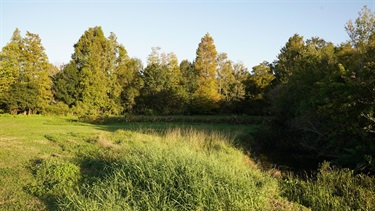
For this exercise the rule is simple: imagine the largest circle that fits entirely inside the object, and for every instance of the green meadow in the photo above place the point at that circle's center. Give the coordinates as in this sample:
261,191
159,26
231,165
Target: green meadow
60,163
50,163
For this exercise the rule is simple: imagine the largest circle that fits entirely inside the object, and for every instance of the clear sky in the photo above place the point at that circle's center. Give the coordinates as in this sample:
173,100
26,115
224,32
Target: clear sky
250,31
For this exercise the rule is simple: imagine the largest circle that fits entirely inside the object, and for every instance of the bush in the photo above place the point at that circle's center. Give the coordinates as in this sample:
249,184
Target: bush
59,108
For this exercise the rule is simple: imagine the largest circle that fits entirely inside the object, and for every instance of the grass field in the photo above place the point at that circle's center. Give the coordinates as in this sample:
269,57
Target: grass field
49,163
60,163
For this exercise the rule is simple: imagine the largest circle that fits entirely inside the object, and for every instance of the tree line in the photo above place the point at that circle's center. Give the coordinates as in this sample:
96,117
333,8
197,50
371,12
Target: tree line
322,95
101,79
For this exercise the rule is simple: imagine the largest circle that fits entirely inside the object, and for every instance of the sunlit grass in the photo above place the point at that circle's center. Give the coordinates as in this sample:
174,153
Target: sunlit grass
59,163
332,189
172,171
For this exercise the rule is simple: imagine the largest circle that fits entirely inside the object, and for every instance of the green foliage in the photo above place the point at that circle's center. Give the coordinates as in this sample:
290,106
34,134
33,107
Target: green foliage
131,81
94,56
189,76
230,78
262,78
333,189
257,86
362,29
24,81
217,119
206,97
163,92
288,58
324,99
22,97
10,62
66,84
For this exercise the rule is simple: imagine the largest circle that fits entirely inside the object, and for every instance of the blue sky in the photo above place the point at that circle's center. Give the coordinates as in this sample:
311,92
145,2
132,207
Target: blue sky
250,31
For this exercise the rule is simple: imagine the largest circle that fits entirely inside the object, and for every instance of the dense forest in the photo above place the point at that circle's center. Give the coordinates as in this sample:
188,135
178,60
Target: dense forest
321,95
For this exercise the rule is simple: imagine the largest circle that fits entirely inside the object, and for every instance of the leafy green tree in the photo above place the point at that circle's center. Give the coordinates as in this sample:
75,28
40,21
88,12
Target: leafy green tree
66,84
225,76
189,77
238,88
25,75
261,80
230,78
189,83
22,97
129,78
95,59
37,69
324,102
10,61
206,96
289,57
163,92
361,29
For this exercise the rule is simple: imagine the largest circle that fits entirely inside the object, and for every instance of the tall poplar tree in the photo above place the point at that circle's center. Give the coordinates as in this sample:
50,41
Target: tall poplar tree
206,97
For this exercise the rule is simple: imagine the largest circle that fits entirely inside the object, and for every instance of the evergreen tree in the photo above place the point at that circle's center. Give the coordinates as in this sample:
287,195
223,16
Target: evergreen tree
95,58
10,63
66,84
37,69
25,75
206,96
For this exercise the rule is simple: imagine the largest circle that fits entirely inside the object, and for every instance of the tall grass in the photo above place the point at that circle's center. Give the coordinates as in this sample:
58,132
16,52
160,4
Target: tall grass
332,189
179,170
57,163
54,163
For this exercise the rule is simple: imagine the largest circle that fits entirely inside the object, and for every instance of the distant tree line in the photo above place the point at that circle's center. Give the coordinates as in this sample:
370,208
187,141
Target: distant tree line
101,79
322,95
